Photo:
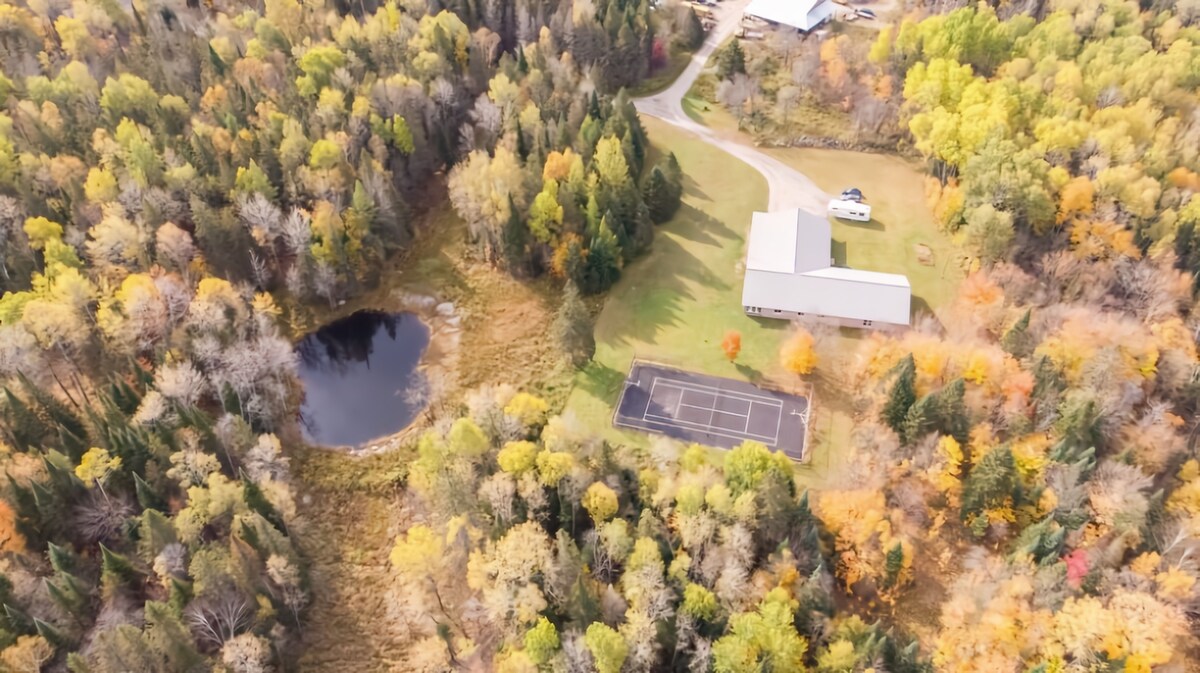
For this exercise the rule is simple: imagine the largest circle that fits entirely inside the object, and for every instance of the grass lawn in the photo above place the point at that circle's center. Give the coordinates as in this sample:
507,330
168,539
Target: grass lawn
675,304
901,220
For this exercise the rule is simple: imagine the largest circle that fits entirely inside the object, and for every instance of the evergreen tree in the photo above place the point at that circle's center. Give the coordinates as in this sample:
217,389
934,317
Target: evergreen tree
732,60
1016,341
594,107
691,33
51,633
24,428
115,570
257,501
63,560
950,411
902,396
166,635
919,420
893,564
572,327
522,145
515,243
662,200
147,497
1043,541
992,481
603,262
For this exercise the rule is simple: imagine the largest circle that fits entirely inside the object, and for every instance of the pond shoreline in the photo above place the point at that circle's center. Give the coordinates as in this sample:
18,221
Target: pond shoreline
438,364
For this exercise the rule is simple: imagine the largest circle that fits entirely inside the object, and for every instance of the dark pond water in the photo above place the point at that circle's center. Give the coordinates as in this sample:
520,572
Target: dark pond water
360,377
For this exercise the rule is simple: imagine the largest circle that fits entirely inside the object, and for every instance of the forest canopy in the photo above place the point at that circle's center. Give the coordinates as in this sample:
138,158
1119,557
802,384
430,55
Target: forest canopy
183,186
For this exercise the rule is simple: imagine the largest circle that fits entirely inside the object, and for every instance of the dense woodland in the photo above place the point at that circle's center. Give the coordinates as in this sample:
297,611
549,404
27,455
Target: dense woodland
1037,442
182,185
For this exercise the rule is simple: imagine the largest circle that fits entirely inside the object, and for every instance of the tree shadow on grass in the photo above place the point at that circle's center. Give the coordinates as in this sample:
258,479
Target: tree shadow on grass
656,289
691,188
752,375
695,225
601,381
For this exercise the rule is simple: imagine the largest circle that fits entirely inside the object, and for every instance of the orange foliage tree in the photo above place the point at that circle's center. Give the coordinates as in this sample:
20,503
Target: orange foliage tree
732,344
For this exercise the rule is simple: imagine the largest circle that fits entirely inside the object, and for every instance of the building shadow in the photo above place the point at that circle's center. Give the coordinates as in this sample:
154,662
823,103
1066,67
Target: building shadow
770,323
837,250
919,307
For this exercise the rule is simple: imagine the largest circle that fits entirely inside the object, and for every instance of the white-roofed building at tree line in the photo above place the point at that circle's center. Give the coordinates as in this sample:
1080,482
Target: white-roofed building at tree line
790,274
803,15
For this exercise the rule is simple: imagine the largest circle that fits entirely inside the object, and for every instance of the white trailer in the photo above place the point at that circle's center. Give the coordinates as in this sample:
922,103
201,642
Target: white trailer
850,210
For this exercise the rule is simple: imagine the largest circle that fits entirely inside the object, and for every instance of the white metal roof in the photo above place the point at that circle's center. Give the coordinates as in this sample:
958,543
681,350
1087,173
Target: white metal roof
772,244
810,285
860,276
788,241
819,294
802,14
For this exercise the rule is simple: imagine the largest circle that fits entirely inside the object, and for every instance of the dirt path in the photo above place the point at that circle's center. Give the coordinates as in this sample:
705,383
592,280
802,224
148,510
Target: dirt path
788,187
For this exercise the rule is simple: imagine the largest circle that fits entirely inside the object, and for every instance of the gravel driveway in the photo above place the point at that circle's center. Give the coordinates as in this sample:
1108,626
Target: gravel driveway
788,187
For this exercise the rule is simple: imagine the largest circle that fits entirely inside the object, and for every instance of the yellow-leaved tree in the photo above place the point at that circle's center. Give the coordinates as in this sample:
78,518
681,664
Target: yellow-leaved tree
799,353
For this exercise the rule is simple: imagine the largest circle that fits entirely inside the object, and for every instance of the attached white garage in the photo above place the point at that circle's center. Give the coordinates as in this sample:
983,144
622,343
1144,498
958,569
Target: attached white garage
789,274
803,15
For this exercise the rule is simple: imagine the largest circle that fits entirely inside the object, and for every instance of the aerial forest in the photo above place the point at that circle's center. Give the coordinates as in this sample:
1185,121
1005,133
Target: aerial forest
186,186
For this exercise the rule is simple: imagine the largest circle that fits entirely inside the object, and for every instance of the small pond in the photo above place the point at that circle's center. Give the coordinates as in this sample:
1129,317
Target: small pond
360,377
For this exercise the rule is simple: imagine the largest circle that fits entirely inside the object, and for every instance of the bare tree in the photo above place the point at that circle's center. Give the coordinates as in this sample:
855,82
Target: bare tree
219,617
737,92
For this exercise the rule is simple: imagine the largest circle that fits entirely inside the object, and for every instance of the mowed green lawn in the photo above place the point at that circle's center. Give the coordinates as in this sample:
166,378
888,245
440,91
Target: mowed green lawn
675,304
900,220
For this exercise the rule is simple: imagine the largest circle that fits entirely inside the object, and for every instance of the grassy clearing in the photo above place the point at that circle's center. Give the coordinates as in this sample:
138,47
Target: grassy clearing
350,514
675,304
901,220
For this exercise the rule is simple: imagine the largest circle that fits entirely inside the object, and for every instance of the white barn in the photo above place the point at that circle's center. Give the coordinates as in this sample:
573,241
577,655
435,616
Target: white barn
803,15
789,273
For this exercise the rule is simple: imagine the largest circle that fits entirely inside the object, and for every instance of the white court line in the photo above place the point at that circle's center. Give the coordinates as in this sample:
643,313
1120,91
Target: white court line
663,420
746,397
710,408
778,423
650,398
715,411
717,394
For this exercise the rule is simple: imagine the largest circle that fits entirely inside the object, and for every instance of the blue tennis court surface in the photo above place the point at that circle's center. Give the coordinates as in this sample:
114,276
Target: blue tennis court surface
710,410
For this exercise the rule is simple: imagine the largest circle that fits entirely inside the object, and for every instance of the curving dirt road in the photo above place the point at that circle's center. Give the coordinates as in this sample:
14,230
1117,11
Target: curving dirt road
788,187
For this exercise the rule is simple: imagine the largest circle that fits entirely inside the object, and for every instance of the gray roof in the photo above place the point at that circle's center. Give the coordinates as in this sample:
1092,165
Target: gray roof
788,268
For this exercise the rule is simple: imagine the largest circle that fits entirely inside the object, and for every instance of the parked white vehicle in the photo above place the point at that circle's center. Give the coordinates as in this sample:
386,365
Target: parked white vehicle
850,210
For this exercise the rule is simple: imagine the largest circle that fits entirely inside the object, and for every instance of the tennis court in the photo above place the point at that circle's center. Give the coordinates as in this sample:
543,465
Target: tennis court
710,410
